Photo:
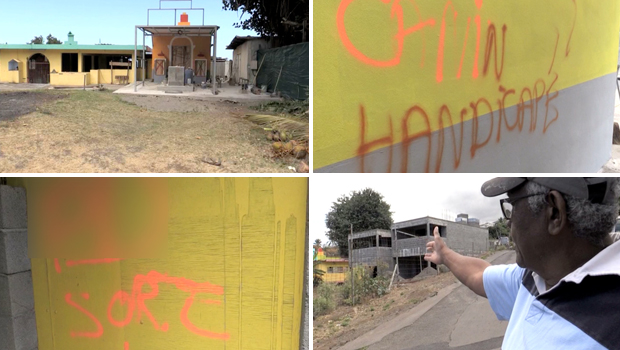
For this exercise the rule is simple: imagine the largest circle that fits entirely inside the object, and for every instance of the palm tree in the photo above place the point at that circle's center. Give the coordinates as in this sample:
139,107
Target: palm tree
317,242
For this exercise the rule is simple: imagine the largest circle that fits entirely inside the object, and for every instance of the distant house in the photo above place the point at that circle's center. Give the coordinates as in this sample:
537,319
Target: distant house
67,64
222,68
405,244
334,269
245,56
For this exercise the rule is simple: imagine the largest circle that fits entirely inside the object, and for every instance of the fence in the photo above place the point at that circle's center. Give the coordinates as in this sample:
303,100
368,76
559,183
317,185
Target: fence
286,69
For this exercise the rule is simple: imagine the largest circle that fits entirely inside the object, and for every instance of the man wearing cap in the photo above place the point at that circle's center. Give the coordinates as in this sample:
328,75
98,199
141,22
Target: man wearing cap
564,290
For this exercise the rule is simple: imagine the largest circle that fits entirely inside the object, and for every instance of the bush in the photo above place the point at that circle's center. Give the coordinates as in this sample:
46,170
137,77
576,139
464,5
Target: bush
324,300
366,286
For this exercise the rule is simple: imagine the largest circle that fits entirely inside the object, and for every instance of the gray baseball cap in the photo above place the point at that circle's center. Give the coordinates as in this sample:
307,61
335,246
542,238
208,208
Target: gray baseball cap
595,189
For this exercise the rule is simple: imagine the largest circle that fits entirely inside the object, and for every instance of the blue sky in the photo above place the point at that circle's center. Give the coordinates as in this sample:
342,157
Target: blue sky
112,21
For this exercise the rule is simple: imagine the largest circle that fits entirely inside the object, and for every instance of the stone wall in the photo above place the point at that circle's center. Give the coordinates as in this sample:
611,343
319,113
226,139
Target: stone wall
18,329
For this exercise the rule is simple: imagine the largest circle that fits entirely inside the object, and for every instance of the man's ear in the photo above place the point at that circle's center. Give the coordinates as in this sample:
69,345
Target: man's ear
556,213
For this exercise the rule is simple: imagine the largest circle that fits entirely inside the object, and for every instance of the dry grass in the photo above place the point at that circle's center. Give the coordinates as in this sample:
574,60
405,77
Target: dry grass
347,323
101,132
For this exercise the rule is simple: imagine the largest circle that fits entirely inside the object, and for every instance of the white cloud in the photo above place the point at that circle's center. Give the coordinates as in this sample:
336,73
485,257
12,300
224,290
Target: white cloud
410,196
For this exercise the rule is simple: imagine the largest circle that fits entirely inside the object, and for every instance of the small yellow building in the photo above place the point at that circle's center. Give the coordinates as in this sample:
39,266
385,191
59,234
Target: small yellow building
68,64
334,269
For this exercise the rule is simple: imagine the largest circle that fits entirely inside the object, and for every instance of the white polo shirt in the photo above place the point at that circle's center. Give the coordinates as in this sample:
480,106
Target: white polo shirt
581,312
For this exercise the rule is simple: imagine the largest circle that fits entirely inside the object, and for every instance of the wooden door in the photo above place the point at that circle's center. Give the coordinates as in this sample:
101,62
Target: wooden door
38,70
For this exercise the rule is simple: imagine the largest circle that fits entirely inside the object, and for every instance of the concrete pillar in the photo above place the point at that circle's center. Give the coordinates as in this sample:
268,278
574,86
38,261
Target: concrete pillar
428,233
80,62
133,61
18,329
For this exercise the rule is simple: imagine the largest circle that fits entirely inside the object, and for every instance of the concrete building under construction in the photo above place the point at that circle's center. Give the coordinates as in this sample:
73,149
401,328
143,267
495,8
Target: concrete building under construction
405,243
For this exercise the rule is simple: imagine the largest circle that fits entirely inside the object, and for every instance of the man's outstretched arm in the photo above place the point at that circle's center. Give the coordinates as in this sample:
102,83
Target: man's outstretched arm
468,270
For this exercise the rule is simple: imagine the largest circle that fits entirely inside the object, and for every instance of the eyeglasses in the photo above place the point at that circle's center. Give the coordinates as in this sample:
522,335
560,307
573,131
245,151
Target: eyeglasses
507,203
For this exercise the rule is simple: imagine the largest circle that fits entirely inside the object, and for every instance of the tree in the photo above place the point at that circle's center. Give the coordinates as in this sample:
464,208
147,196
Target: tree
37,40
365,210
51,40
288,20
499,229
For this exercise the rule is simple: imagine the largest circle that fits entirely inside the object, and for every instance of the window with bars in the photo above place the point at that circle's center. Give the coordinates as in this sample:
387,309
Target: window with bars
337,269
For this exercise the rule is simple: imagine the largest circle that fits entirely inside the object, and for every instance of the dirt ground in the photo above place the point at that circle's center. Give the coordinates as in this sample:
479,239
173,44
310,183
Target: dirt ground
17,103
92,131
347,323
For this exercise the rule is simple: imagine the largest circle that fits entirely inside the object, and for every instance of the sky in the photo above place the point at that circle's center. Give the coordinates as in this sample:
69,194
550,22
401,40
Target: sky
111,21
410,196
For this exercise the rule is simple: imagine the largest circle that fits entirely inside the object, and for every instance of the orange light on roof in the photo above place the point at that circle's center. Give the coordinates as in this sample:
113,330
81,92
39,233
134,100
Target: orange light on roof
184,19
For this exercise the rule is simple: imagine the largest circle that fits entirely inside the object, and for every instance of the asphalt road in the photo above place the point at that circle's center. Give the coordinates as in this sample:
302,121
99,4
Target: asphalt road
460,321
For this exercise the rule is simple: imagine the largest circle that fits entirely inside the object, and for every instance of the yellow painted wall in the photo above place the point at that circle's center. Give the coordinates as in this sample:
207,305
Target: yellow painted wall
69,79
93,76
386,64
202,45
332,277
13,76
103,76
148,71
55,60
232,277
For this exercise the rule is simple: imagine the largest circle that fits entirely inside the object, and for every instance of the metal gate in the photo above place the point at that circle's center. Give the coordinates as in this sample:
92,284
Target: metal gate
38,70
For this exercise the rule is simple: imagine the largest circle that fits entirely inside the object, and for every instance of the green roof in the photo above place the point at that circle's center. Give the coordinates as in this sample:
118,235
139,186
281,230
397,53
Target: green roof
69,47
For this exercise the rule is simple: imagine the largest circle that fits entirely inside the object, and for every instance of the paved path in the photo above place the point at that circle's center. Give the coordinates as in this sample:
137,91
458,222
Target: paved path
4,86
454,319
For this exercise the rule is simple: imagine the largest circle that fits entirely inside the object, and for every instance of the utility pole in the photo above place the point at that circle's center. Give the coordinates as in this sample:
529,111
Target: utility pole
351,267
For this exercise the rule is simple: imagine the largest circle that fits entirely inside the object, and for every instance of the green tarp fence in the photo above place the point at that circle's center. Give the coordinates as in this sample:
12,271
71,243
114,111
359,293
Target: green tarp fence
294,61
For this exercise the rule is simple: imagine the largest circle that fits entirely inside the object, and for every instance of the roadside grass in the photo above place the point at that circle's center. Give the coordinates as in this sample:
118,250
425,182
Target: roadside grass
337,322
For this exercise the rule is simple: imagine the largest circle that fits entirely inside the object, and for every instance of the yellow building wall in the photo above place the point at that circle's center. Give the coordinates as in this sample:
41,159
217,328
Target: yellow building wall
426,62
202,45
232,277
69,79
7,76
332,277
104,76
93,77
55,59
13,76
